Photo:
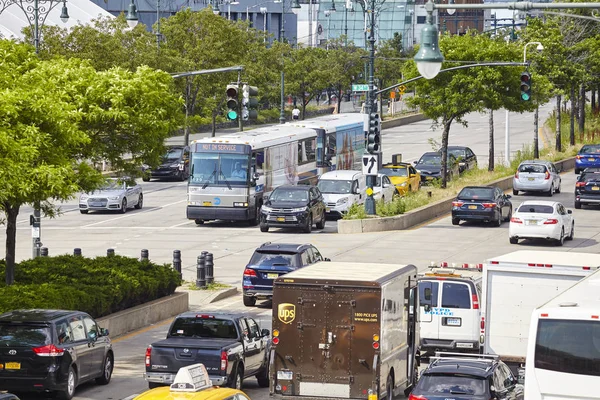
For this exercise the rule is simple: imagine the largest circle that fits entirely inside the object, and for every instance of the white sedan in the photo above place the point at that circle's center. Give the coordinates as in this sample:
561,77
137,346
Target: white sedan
536,219
384,189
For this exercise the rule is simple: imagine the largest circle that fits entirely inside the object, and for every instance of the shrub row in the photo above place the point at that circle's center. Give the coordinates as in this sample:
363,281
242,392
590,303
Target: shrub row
98,286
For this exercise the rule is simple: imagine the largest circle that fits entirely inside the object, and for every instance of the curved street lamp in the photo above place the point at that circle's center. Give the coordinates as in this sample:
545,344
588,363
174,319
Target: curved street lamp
132,17
429,59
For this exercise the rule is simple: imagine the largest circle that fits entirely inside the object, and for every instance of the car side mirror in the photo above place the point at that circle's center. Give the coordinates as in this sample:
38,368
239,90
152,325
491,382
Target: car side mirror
415,162
265,332
386,185
327,259
103,332
569,211
255,176
508,196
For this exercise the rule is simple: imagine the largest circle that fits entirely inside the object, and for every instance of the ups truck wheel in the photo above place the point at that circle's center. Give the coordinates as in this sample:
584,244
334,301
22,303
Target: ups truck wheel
389,387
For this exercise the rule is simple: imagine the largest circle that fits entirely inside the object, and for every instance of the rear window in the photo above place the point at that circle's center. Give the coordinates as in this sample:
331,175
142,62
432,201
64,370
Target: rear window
452,384
456,295
568,346
590,149
24,335
434,293
590,177
476,193
532,168
266,259
536,208
204,327
389,171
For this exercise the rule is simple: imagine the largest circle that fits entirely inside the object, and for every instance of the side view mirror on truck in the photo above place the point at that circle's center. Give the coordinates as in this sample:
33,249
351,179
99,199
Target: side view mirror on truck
265,332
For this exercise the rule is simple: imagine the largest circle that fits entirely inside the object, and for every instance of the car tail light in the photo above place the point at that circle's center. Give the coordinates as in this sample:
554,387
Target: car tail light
586,268
495,262
595,316
482,323
148,354
516,220
249,272
223,361
547,176
551,221
475,302
580,184
489,205
579,157
49,350
457,203
416,397
517,175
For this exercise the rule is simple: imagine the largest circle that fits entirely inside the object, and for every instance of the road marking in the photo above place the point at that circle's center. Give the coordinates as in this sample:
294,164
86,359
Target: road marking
181,224
133,215
143,330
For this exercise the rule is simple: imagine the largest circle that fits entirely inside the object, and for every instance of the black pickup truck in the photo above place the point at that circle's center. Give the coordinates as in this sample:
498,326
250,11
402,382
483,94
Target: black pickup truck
231,347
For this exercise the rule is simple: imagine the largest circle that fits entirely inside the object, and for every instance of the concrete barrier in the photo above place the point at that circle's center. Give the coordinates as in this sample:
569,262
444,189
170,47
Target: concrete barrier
144,315
425,213
409,119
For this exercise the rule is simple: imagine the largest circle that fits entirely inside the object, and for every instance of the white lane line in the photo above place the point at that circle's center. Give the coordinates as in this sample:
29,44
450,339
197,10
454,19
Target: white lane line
181,224
133,215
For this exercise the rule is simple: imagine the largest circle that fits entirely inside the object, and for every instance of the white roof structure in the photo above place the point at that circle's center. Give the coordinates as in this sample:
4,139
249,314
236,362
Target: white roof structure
81,12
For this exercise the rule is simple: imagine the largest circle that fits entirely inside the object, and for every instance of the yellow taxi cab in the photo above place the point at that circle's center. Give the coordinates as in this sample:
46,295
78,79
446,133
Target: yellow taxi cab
192,383
404,176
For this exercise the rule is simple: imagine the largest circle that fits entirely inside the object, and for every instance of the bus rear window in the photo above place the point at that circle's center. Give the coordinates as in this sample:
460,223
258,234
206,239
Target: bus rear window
568,346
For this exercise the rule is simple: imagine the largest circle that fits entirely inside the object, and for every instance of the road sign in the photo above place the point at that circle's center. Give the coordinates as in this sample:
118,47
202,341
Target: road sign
392,95
370,164
369,192
360,88
402,89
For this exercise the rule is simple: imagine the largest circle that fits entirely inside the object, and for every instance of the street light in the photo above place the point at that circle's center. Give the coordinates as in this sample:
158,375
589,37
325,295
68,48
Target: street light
539,47
295,6
132,17
429,59
229,3
536,149
327,15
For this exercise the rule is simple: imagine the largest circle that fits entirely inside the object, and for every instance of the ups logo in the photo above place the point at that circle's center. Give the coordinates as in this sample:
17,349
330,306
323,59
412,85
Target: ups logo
286,312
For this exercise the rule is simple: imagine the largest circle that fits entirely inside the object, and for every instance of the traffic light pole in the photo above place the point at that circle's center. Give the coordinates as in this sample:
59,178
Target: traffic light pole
370,207
240,119
36,231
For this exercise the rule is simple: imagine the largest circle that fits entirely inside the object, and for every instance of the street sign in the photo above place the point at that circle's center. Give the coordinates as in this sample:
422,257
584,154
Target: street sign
370,164
360,88
402,89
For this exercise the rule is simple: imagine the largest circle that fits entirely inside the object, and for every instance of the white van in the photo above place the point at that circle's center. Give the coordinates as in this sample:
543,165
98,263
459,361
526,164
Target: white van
341,189
449,308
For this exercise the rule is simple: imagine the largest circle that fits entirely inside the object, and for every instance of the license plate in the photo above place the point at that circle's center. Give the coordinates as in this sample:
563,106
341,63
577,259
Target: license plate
532,179
591,159
272,276
429,178
12,365
595,188
464,345
472,207
207,203
280,219
531,222
328,209
287,375
453,321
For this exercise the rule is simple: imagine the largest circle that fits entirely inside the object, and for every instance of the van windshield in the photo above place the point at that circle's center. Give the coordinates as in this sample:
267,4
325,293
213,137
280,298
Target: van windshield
335,186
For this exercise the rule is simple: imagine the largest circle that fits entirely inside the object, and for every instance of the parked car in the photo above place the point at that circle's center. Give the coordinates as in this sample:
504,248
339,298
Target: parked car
467,160
430,167
404,176
467,377
298,206
536,219
232,347
270,261
537,176
175,164
53,351
341,189
587,187
383,189
115,195
588,156
481,203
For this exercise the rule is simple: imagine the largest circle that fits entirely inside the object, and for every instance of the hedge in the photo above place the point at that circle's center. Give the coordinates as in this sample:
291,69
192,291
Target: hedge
98,286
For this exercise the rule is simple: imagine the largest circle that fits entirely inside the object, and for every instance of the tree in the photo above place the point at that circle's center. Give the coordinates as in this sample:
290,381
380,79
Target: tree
342,63
306,73
57,116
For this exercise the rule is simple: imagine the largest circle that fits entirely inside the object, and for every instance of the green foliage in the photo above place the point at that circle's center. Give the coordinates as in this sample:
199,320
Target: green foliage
99,286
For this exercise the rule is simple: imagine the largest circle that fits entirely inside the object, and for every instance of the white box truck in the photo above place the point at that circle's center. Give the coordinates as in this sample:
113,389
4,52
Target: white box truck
513,286
563,354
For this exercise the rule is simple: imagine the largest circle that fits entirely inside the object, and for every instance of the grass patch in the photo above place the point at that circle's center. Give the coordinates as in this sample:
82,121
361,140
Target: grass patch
210,286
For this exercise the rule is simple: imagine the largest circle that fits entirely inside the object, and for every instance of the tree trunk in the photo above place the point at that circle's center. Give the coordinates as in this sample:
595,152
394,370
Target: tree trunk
339,100
491,136
572,127
593,100
11,241
557,137
581,109
445,134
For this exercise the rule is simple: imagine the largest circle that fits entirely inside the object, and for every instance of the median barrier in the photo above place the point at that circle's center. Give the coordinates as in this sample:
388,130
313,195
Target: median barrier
409,119
425,213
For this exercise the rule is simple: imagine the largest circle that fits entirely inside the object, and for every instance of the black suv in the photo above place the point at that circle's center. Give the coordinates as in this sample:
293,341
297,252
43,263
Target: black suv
270,261
52,351
290,206
175,164
587,187
472,377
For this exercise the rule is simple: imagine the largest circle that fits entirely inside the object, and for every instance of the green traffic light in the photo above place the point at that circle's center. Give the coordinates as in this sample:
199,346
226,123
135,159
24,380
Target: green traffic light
524,97
232,115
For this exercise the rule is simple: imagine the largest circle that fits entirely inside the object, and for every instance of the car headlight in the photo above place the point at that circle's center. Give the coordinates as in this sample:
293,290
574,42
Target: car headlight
176,165
403,184
83,197
341,201
266,209
113,197
300,209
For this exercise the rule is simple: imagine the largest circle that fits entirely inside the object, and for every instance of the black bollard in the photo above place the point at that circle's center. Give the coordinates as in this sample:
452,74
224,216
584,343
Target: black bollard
177,261
201,272
208,262
44,252
110,252
77,251
144,255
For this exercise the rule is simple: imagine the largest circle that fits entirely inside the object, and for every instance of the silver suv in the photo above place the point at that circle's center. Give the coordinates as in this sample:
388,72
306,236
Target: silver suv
537,176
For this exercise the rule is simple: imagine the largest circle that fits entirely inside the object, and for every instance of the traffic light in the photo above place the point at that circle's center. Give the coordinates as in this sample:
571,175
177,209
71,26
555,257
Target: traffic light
249,103
374,135
525,86
232,101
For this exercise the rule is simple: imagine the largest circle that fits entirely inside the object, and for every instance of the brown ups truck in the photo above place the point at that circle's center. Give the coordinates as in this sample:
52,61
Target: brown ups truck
345,330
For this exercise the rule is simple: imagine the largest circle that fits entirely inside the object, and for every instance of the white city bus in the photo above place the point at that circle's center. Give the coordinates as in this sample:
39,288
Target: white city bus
230,174
563,353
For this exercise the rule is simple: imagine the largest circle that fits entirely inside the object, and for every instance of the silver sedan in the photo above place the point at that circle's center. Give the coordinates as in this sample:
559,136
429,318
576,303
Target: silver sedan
116,194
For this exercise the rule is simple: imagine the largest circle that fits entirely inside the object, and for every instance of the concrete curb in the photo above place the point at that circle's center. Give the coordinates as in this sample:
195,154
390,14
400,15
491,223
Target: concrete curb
425,213
225,294
403,121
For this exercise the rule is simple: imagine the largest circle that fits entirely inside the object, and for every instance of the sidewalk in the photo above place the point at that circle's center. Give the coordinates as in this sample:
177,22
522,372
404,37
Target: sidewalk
200,298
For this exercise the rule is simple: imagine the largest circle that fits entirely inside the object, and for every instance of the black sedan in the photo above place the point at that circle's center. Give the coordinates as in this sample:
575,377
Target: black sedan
467,160
430,167
587,187
481,203
292,206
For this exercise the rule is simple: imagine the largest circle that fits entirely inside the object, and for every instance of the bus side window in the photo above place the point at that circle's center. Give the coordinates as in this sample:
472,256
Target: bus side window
331,145
258,161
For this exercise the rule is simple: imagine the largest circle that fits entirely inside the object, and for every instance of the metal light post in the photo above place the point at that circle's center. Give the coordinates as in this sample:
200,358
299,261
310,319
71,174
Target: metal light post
295,6
327,15
536,150
229,3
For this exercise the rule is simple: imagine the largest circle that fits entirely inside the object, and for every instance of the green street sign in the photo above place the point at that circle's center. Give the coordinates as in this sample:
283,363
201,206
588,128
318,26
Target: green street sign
360,88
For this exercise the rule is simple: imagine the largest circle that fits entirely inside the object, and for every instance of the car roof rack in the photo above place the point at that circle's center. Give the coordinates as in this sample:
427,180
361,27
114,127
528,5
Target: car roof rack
442,355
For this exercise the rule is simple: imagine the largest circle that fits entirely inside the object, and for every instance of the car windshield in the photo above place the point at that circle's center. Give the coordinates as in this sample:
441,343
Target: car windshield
452,384
205,326
211,168
292,195
590,177
393,171
536,208
271,259
431,159
476,193
590,149
173,154
334,186
532,168
24,335
112,184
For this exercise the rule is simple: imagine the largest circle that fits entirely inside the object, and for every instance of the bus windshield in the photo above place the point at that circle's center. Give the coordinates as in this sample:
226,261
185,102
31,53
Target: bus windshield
213,168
